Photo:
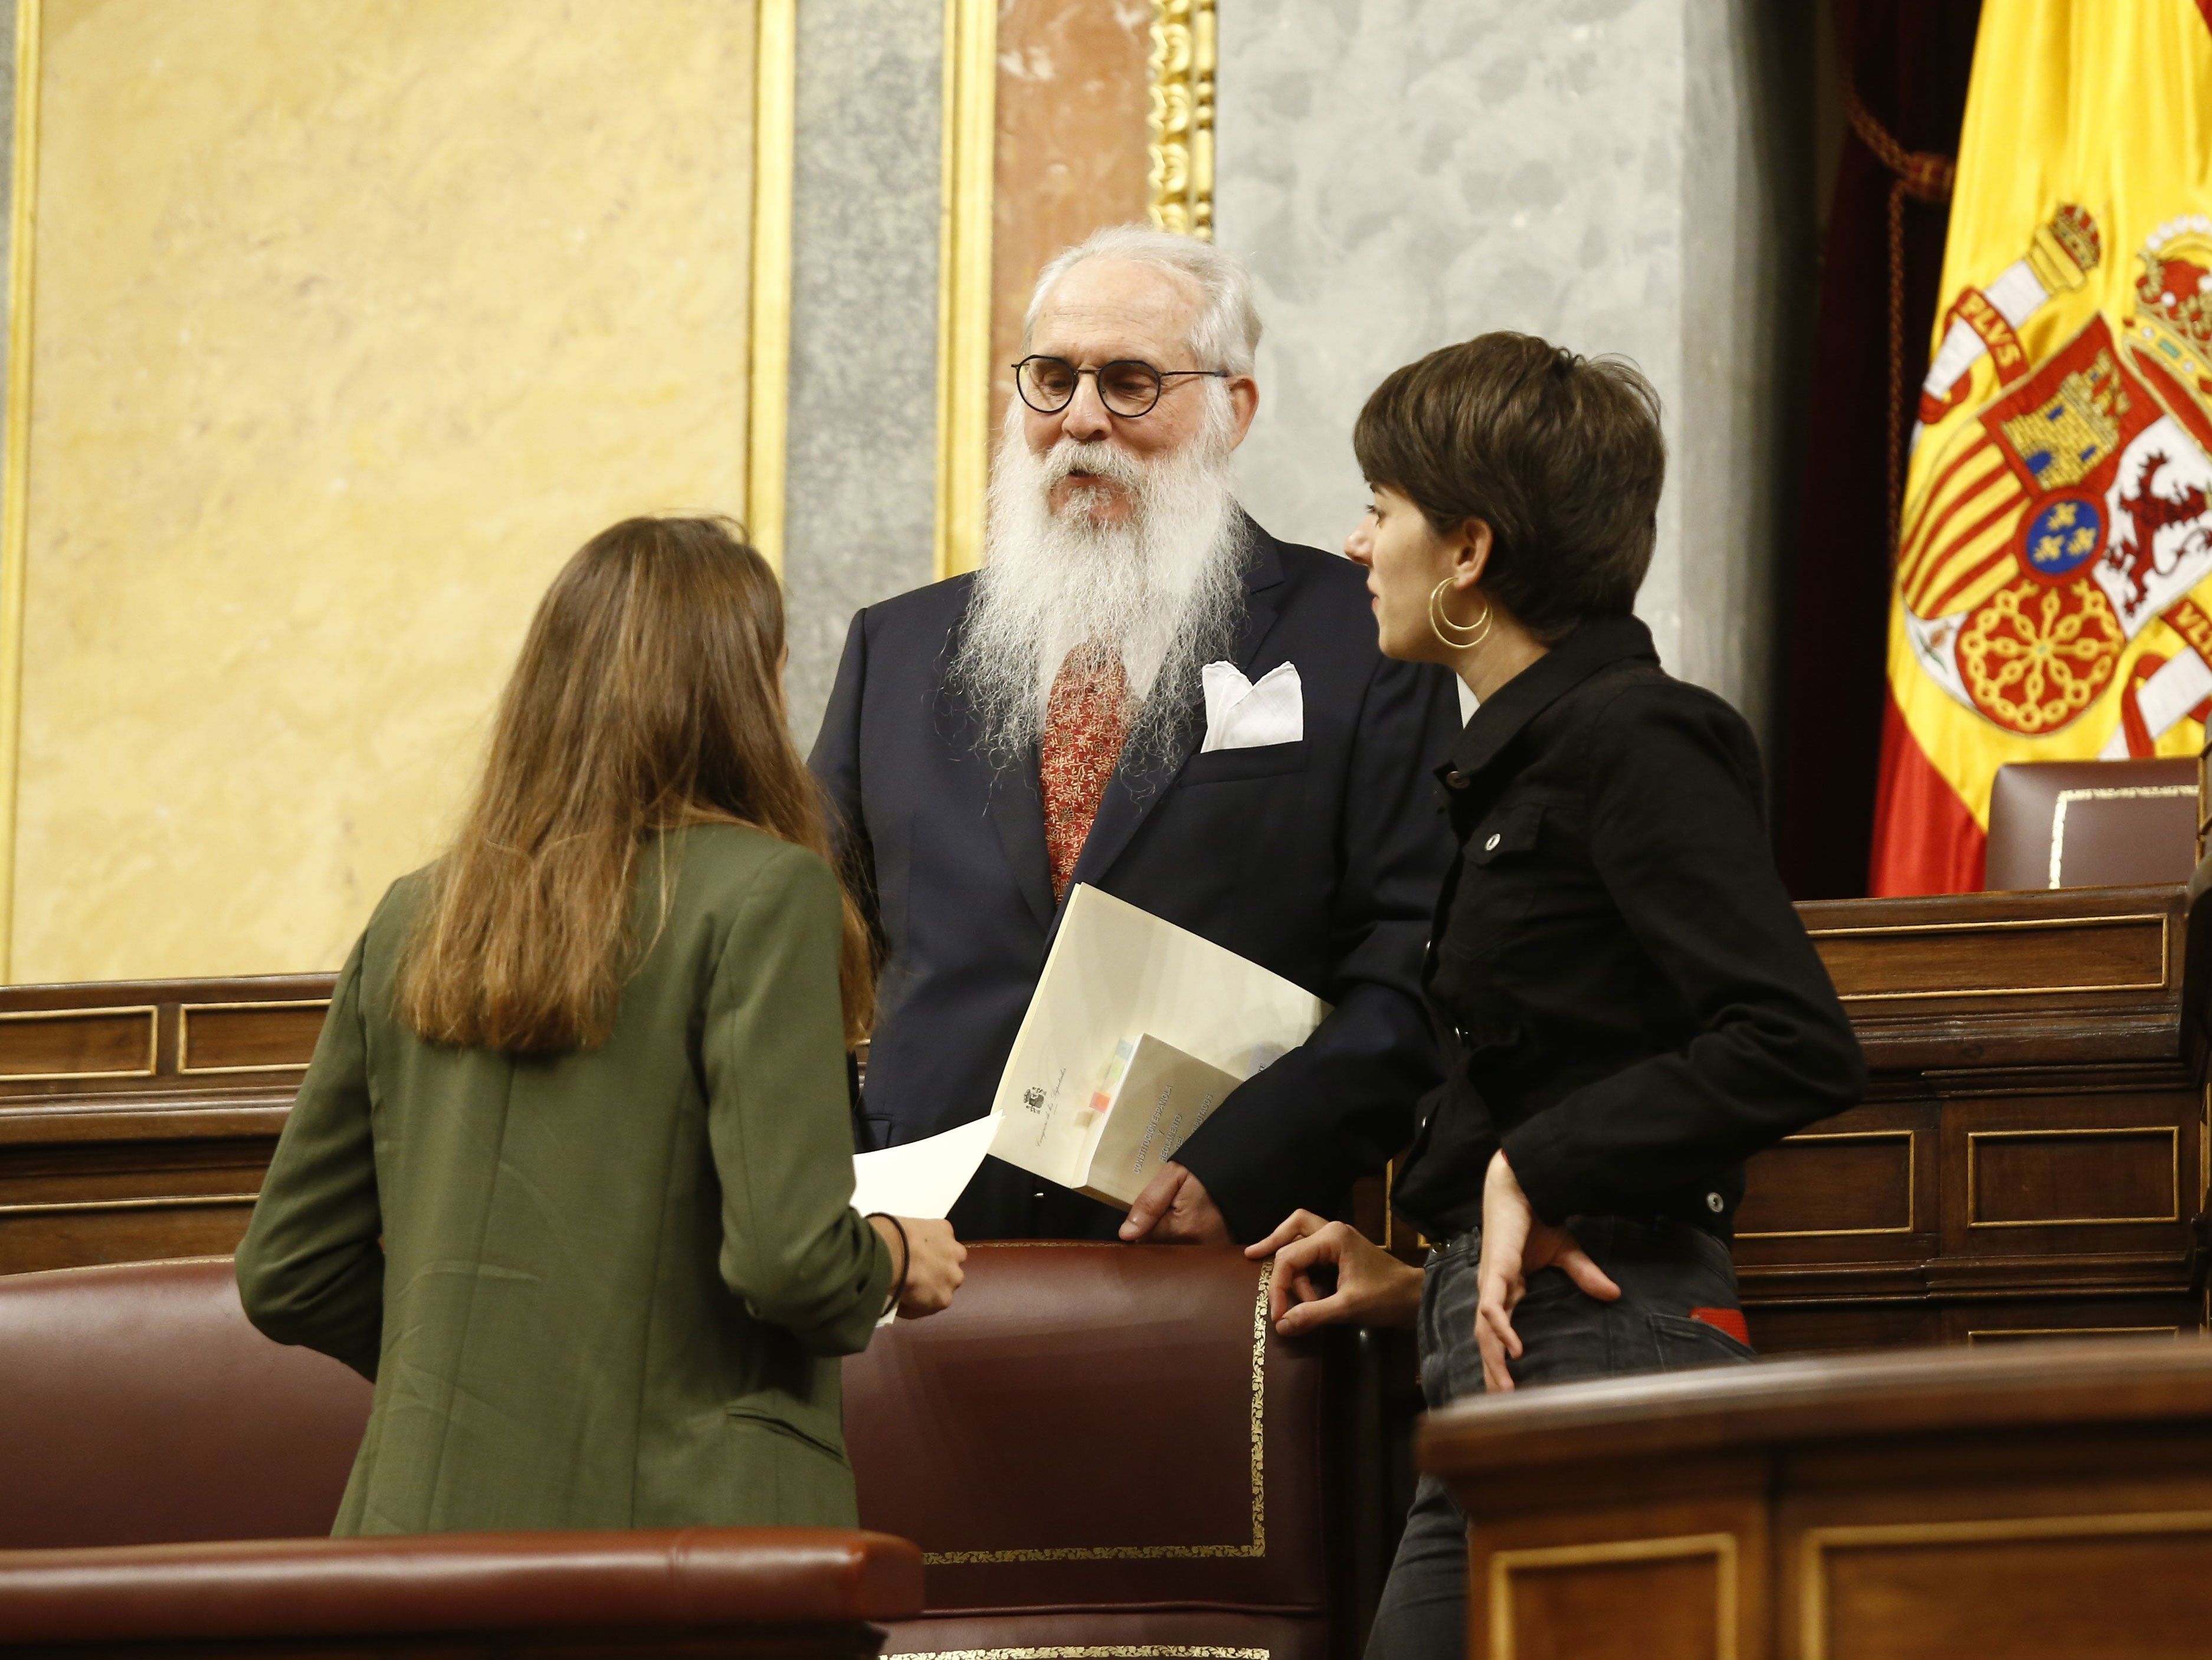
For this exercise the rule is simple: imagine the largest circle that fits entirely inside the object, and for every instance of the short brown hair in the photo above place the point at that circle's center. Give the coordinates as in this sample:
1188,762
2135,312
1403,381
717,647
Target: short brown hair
1561,455
647,698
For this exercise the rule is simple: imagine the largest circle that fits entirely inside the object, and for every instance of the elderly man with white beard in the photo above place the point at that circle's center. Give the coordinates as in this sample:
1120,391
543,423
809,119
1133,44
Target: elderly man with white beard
994,739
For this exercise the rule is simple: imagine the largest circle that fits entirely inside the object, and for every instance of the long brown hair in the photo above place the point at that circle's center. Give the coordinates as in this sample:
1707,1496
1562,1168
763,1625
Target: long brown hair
648,696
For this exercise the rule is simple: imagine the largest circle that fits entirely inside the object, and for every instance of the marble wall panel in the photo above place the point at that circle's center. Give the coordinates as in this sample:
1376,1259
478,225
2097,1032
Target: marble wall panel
354,317
1072,93
860,495
1615,175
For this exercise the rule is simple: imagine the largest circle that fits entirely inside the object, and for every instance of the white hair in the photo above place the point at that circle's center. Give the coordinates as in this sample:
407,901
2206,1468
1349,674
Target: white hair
1227,333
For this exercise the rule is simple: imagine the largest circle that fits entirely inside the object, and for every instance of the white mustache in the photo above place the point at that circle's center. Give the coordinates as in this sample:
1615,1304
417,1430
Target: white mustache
1102,460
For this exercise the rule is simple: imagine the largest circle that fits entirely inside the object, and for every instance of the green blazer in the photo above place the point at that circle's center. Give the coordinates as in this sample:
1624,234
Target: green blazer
612,1285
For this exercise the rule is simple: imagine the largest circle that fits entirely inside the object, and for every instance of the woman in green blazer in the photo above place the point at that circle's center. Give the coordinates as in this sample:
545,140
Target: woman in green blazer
569,1175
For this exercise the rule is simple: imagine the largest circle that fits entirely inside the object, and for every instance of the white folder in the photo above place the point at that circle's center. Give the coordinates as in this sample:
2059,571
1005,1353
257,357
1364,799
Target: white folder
1115,973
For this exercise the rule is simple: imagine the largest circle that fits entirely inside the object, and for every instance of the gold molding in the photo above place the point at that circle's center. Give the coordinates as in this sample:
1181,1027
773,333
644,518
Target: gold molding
1142,1652
1817,1542
2171,1131
1721,1547
184,1013
1179,120
2165,955
157,1201
16,456
152,1011
967,189
2001,1334
768,339
1258,1546
1911,1186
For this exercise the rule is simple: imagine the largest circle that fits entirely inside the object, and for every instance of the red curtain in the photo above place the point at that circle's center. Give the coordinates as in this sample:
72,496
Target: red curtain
1907,62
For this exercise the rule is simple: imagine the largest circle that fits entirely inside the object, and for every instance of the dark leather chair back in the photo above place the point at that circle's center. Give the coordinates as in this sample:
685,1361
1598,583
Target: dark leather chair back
1105,1446
2092,823
138,1406
1098,1445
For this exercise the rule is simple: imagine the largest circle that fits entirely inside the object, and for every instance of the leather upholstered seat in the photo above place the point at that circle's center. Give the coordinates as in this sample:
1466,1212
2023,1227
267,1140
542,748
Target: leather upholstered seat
1099,1446
2092,823
1105,1446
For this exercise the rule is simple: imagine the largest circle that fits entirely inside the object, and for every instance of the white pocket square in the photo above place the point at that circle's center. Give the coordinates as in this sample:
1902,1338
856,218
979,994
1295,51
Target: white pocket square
1241,715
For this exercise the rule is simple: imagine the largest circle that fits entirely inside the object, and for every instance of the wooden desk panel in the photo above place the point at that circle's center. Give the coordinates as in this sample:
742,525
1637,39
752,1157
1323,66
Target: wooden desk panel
2029,1158
2045,1501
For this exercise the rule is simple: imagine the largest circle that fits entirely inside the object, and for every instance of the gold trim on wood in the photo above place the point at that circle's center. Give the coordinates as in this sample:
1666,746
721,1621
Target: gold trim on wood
2165,970
2004,1332
1143,1651
161,1201
152,1042
2066,798
964,280
2173,1132
185,1011
1817,1542
1911,1187
1258,1546
16,458
768,391
1721,1547
1180,121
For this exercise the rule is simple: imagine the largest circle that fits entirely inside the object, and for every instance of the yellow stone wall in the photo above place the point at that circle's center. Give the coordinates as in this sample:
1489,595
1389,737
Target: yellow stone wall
353,319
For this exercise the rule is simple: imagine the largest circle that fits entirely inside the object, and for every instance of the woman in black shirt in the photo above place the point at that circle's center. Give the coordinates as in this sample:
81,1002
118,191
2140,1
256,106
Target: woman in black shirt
1628,1003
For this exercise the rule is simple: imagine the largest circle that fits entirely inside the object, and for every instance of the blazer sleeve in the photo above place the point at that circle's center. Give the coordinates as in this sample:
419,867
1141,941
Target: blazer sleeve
835,758
774,1052
310,1269
1678,837
1337,1106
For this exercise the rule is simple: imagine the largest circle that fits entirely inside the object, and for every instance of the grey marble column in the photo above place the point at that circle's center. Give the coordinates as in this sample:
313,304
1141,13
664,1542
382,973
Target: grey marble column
1628,176
862,492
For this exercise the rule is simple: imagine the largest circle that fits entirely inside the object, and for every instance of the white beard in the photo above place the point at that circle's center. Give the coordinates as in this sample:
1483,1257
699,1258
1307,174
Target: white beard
1163,590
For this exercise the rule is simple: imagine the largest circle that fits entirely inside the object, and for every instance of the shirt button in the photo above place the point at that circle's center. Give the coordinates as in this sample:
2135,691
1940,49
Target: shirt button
1456,779
1715,1203
1491,846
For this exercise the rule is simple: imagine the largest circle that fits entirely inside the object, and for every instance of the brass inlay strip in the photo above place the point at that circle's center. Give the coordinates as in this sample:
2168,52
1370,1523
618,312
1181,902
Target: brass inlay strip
1973,1206
2003,1332
185,1011
15,456
768,336
1937,928
1911,1187
1817,1542
1180,118
1721,1547
152,1042
1145,1651
964,280
164,1201
1258,1546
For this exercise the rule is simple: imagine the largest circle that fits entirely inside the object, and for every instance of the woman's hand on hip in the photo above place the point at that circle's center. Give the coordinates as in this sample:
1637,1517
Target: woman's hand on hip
1516,1244
1373,1288
933,1259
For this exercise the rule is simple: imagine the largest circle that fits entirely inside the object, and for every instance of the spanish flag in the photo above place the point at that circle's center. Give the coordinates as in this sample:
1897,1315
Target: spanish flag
2053,597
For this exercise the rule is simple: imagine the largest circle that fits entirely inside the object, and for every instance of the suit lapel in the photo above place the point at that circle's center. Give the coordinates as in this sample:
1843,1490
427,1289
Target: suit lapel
1134,792
1017,813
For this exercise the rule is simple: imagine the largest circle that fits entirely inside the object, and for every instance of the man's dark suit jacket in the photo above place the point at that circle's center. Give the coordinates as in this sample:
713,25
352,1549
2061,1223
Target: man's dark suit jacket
1320,859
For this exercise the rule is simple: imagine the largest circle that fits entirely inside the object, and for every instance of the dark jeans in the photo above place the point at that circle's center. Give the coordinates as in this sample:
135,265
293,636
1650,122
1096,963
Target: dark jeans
1663,1269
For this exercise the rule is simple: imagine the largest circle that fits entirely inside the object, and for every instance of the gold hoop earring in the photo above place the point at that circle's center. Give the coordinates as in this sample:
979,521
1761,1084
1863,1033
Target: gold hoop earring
1475,632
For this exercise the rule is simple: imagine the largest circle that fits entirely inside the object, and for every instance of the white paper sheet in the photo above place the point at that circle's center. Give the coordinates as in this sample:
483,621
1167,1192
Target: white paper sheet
923,1178
1116,970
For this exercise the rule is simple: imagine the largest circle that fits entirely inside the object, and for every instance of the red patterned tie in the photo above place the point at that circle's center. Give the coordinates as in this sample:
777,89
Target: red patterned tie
1085,720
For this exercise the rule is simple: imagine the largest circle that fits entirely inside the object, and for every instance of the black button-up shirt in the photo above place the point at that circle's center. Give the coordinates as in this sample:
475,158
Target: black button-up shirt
1626,998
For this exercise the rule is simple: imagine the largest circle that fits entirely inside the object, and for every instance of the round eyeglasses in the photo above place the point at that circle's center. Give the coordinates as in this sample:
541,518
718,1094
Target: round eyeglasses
1127,386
